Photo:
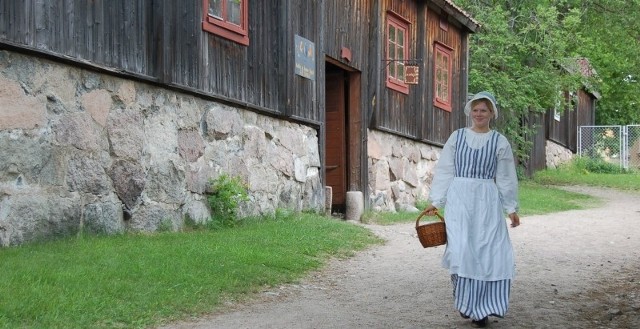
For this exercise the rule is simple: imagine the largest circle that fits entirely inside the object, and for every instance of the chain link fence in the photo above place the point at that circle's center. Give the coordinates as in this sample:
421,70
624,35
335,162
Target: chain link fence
619,145
633,143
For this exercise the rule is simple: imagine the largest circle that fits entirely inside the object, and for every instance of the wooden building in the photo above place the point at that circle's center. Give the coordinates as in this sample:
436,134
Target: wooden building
557,129
347,69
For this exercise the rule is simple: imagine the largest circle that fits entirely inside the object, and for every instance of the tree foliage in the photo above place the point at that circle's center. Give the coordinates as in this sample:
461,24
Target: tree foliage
523,49
518,54
611,33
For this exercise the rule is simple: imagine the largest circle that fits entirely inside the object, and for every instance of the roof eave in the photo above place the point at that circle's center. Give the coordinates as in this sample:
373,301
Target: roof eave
460,15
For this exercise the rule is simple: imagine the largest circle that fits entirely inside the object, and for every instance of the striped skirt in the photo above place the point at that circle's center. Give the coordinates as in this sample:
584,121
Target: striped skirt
479,299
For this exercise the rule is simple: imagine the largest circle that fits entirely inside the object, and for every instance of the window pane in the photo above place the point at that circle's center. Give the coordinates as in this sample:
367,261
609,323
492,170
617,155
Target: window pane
392,34
234,11
396,53
442,82
215,8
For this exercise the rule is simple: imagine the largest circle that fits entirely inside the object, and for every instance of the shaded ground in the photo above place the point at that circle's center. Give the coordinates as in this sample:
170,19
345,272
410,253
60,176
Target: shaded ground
575,269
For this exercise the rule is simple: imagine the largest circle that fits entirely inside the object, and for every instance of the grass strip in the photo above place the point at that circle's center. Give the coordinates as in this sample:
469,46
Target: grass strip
139,280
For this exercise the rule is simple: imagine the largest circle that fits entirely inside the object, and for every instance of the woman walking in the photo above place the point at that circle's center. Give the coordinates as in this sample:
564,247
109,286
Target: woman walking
476,179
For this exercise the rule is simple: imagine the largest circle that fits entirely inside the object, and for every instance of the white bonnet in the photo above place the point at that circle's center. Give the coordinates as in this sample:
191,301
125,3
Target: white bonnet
481,95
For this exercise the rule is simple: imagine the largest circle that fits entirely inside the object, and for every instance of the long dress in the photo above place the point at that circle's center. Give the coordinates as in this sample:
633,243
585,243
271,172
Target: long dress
475,180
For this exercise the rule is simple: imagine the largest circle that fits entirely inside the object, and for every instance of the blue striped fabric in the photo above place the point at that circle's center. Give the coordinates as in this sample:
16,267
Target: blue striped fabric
475,298
479,299
476,163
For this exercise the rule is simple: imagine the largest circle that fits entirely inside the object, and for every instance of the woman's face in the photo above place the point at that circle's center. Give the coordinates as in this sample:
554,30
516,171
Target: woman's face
481,114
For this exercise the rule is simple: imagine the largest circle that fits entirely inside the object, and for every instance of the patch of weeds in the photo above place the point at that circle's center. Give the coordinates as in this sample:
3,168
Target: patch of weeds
227,194
597,166
165,225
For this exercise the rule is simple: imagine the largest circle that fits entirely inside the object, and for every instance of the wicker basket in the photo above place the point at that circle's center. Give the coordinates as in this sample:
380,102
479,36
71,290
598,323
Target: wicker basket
431,234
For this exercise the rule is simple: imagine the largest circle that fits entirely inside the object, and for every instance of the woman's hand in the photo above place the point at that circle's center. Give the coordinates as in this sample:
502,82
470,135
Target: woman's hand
515,219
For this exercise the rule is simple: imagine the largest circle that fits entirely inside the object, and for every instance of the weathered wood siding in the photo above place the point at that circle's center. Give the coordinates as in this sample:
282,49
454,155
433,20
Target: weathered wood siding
111,33
163,42
349,24
565,131
557,131
584,116
440,124
397,111
537,156
301,18
414,115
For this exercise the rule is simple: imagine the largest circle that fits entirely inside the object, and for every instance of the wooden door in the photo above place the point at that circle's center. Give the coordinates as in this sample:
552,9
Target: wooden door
336,138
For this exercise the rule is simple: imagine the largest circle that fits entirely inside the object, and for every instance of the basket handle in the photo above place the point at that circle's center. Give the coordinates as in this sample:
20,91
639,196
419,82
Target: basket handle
422,214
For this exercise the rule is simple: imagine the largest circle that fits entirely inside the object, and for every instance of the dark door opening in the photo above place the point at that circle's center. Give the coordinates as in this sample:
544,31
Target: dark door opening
337,134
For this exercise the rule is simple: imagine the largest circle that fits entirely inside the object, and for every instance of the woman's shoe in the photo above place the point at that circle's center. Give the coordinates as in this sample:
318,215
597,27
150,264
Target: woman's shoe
463,316
480,323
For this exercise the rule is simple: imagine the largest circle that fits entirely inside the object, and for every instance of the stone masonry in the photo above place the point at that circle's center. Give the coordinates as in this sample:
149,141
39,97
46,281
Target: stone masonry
400,171
84,151
557,155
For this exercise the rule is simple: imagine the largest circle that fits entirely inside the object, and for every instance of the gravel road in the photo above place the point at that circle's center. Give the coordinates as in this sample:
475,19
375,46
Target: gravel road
575,269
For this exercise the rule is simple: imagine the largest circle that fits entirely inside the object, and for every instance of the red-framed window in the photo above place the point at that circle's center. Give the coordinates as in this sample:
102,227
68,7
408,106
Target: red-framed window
442,77
228,19
397,48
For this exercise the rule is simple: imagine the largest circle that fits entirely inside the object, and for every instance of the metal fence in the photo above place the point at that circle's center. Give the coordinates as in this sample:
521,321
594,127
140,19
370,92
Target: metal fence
615,144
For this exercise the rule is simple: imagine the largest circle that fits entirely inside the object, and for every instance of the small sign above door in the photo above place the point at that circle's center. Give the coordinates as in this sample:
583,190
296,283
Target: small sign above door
305,58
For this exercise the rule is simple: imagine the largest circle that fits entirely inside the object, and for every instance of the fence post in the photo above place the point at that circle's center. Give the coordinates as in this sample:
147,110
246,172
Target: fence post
579,141
625,146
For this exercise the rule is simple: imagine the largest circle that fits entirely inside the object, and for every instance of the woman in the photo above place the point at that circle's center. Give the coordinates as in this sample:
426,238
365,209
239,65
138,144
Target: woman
476,179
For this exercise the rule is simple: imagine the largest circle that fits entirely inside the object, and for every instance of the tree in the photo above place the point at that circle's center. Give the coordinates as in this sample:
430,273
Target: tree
611,33
518,55
523,46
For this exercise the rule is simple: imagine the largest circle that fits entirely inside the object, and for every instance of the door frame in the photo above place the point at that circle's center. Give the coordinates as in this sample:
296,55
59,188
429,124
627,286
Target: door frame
357,170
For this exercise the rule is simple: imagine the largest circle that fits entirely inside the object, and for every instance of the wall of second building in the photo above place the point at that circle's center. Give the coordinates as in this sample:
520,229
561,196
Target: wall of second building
81,150
581,112
556,155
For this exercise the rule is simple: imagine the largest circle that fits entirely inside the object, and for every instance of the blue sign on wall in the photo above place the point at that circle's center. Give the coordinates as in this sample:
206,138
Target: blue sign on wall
305,58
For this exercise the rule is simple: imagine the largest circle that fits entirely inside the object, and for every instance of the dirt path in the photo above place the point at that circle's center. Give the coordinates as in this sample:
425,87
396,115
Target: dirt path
575,269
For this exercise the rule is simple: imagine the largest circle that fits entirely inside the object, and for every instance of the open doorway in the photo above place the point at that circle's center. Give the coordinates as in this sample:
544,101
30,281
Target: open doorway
343,147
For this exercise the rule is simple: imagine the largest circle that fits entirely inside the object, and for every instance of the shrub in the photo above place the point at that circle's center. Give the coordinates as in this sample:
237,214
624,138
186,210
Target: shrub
596,166
227,193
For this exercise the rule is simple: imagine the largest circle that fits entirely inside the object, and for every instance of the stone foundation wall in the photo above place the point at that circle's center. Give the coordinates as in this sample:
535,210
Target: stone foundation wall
81,150
557,155
400,171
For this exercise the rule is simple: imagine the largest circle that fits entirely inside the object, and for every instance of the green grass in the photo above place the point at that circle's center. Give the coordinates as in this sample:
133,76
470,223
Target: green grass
537,199
132,281
577,173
